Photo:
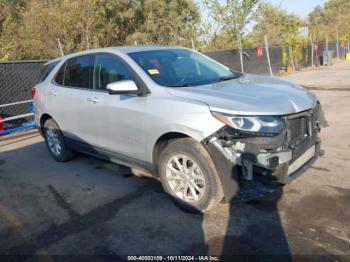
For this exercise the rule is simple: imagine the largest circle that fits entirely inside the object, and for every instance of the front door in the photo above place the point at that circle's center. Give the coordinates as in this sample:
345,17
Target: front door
117,121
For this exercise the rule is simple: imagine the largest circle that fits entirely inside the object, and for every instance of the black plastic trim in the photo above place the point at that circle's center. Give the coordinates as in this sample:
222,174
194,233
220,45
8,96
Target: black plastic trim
108,155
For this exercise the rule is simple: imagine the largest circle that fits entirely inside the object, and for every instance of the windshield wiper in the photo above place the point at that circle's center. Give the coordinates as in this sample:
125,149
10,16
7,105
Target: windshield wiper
224,78
220,79
179,85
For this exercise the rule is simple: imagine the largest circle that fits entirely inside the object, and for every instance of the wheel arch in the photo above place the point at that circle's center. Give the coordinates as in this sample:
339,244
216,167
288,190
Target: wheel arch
161,143
44,117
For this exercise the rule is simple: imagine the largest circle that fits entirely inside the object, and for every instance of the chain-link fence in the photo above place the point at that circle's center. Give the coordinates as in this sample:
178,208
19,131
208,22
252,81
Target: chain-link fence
252,63
17,78
16,81
255,59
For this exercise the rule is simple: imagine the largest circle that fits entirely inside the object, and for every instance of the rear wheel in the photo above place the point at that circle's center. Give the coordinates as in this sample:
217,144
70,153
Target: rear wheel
188,174
55,142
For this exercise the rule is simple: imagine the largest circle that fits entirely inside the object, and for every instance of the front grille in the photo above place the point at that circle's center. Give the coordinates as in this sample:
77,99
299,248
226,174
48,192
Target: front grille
297,129
302,126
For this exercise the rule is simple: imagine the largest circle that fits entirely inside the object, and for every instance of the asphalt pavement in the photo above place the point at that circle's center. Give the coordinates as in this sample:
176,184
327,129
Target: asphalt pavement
91,207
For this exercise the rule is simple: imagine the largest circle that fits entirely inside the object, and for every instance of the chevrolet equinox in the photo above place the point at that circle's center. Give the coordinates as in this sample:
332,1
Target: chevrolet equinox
204,131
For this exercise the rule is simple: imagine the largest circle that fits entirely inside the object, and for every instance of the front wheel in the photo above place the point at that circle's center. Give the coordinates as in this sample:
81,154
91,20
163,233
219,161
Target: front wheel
188,174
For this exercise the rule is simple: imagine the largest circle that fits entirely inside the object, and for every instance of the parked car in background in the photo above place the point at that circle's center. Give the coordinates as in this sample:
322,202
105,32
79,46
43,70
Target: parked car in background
206,132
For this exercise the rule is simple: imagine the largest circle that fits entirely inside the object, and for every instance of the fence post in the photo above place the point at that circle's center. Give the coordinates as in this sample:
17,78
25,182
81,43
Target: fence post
291,57
312,51
241,54
193,44
338,56
268,55
60,46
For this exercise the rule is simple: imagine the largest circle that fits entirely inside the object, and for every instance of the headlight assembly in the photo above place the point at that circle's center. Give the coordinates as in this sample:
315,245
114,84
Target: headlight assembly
264,125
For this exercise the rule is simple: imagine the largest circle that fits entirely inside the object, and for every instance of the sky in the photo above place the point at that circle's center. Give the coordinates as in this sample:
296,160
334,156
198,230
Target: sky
298,7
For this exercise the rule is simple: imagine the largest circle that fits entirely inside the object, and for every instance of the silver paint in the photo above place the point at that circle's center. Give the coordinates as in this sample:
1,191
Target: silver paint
131,125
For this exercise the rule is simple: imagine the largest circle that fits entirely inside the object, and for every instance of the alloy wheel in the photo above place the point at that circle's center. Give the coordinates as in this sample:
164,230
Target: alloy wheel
53,141
185,178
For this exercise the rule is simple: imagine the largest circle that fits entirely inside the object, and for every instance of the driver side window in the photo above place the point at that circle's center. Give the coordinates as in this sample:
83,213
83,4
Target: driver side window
108,69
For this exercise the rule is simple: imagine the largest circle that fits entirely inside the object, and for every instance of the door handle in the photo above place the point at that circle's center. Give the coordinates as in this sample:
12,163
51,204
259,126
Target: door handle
54,92
92,100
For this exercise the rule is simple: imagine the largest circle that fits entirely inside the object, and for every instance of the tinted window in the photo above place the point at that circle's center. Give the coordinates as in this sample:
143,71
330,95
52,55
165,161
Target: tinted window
109,69
181,67
78,72
60,75
46,70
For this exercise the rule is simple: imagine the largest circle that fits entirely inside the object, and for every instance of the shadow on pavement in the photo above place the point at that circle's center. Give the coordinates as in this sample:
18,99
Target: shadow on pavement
143,221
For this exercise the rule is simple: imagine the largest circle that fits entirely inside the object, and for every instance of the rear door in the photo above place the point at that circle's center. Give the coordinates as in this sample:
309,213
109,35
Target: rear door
67,97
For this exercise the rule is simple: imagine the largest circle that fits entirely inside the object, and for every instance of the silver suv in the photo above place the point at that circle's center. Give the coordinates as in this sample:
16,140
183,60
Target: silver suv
206,132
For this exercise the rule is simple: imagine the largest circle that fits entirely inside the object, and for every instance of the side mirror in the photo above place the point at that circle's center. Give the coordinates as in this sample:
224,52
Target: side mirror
122,87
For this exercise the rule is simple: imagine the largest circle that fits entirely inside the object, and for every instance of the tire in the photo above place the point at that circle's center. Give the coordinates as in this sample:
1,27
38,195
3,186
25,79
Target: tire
55,142
199,173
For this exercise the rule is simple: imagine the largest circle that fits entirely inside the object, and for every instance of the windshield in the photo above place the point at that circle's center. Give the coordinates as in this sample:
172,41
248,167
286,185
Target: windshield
181,67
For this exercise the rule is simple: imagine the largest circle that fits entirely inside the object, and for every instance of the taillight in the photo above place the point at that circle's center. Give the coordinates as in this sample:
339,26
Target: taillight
1,124
33,92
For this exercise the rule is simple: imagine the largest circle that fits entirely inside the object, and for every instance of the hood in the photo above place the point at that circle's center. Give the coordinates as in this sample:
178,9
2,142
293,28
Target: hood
250,95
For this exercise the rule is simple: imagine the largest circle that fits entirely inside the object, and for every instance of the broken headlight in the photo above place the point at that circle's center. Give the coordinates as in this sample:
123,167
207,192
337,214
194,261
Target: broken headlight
263,125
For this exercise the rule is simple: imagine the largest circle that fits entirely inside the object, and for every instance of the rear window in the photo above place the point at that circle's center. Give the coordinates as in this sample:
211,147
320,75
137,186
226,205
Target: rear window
46,70
59,79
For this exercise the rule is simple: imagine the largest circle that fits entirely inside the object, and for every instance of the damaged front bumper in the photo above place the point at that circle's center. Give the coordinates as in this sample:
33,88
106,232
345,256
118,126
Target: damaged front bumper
259,164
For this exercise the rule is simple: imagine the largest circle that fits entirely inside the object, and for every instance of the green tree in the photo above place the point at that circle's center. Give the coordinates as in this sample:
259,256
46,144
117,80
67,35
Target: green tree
9,15
79,24
231,19
29,29
167,22
281,28
331,21
317,24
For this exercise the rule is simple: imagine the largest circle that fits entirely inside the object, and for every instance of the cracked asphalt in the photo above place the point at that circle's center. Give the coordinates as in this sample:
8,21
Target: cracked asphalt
91,207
